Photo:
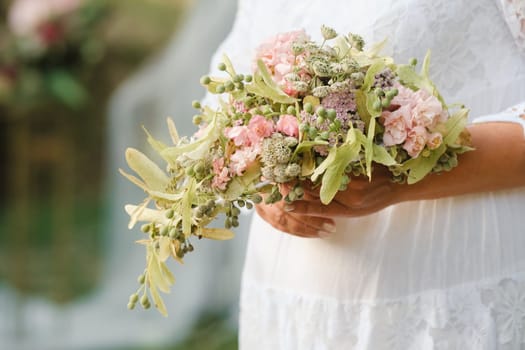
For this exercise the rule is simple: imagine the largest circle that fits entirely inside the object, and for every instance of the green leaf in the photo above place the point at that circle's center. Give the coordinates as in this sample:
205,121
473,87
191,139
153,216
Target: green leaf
187,201
419,167
332,177
158,302
382,156
325,164
220,234
241,184
173,131
375,68
157,145
362,106
368,147
307,146
152,175
229,65
455,125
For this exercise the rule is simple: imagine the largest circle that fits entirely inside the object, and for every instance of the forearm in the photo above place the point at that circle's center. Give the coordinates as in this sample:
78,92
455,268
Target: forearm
497,163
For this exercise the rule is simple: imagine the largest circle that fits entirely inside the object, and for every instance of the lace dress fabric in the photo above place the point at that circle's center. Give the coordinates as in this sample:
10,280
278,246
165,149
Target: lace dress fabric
439,274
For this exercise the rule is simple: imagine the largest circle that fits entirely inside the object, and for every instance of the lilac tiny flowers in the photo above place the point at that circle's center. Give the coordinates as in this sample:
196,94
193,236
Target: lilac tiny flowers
321,113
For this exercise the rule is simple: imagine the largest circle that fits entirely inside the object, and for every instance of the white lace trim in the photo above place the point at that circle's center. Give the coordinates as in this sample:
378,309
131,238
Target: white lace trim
515,114
487,315
514,13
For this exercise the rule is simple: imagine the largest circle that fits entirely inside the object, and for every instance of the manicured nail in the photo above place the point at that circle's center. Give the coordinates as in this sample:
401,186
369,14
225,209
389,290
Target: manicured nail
329,227
288,207
324,234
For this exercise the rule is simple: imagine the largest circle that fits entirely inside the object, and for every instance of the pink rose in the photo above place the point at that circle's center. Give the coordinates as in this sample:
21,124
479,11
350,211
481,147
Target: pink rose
396,125
416,141
260,128
288,125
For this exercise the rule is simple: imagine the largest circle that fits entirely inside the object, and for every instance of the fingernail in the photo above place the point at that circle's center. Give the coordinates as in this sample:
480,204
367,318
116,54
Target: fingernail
329,227
288,207
324,234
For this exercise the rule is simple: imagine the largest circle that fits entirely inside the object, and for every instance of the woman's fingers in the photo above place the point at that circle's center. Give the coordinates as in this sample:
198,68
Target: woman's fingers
296,224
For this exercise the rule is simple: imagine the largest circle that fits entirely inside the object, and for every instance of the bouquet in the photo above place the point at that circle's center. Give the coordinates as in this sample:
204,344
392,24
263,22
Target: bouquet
315,112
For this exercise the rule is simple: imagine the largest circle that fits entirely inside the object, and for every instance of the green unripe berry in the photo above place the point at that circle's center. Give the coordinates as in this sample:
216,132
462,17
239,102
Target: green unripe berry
256,198
228,223
141,279
321,112
299,191
145,228
205,80
170,213
249,205
133,298
290,110
379,92
196,104
391,93
235,222
413,61
228,86
144,300
173,232
241,203
385,102
238,78
164,231
303,127
131,306
221,66
308,108
236,211
248,78
325,135
220,89
331,114
320,120
197,119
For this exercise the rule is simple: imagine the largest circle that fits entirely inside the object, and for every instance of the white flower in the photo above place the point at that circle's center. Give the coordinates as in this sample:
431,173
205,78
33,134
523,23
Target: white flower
507,303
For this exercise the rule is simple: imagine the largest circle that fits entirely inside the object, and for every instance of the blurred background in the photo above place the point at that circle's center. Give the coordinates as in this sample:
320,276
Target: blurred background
78,79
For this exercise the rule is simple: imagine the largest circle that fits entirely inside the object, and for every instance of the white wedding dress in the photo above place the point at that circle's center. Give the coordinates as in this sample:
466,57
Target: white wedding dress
437,274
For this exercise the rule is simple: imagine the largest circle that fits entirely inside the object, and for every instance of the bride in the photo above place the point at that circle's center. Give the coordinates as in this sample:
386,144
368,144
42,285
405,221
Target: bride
437,265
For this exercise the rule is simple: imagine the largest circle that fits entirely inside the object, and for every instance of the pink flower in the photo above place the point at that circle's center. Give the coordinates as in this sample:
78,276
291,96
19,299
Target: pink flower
428,111
434,140
243,158
240,135
222,174
277,55
25,16
396,125
260,128
404,97
288,125
416,141
199,133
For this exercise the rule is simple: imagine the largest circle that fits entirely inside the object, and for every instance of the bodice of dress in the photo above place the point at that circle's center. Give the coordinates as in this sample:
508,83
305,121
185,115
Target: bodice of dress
439,274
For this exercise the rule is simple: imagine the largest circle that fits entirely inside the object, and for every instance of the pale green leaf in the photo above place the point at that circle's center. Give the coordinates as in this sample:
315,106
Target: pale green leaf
141,213
158,302
155,275
173,131
455,125
375,68
187,201
240,184
382,156
332,177
325,164
152,175
419,167
216,233
164,248
229,65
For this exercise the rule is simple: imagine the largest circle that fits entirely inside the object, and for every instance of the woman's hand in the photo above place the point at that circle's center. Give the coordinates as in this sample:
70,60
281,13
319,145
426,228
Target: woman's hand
279,215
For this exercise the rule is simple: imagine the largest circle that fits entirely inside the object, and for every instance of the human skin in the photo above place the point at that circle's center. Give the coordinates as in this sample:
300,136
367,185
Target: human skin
497,163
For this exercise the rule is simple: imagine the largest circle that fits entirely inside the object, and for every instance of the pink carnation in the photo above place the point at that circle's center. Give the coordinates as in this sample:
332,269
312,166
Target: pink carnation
240,135
434,140
288,125
428,111
416,141
222,174
277,55
243,158
396,125
260,128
